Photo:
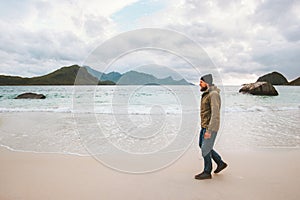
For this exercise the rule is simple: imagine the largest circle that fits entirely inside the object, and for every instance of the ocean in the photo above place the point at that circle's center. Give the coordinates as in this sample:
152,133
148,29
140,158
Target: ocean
142,119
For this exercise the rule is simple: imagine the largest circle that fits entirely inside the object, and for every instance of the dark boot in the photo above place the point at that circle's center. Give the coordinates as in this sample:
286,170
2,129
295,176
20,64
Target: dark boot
220,167
203,176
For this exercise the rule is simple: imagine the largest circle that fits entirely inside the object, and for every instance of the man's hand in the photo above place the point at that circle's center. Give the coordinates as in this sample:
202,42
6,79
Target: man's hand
207,135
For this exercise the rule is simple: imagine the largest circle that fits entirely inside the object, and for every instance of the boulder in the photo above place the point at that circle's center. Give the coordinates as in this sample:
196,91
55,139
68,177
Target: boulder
259,88
30,95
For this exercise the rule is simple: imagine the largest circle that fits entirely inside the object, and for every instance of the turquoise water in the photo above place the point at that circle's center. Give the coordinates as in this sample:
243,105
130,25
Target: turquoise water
248,122
288,99
60,98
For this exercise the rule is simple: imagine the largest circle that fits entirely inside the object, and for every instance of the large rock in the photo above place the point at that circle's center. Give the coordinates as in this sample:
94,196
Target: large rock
30,95
259,88
295,82
274,78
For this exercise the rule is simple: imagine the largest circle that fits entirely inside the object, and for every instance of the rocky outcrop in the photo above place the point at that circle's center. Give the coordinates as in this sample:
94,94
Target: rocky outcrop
274,78
259,88
30,95
295,82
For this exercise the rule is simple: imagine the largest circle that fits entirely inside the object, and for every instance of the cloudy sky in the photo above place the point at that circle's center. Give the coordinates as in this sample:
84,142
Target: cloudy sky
243,38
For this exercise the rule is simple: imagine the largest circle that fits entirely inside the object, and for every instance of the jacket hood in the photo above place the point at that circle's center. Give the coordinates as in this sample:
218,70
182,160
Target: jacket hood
213,88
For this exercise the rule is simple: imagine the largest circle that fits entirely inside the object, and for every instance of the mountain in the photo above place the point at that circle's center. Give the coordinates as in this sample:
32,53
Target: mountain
274,78
295,82
140,78
62,76
170,81
135,78
87,76
112,76
159,71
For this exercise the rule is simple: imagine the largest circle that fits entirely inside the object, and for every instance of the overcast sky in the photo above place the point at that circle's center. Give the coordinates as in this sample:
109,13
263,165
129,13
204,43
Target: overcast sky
243,38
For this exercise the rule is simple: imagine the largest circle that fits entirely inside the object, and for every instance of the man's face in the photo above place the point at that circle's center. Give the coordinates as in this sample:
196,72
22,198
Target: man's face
203,86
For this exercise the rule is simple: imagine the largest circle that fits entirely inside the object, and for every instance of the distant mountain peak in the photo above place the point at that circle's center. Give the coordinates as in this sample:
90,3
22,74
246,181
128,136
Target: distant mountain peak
136,78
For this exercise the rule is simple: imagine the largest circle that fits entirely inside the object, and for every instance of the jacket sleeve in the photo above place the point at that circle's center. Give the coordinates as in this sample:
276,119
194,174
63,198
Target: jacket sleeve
215,105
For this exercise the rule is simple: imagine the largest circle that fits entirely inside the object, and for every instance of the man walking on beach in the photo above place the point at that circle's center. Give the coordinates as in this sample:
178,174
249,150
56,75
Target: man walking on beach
210,123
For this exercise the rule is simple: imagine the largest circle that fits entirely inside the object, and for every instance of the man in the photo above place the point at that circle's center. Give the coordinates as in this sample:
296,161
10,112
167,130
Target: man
210,123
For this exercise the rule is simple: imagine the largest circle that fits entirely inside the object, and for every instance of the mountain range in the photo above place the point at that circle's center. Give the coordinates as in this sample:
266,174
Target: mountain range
88,76
70,75
62,76
135,78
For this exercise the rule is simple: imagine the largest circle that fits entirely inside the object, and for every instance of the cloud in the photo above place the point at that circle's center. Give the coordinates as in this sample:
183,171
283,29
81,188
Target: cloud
95,26
39,36
151,47
244,39
248,38
285,59
37,50
283,16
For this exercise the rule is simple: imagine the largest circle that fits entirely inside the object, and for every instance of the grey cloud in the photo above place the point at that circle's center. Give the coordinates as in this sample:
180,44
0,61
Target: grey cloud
228,3
268,52
280,15
162,47
33,41
43,8
204,33
292,33
284,59
196,8
39,51
271,12
95,25
246,68
276,19
43,44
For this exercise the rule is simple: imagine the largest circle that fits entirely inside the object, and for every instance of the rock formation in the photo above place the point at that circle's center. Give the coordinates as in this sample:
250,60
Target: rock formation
295,82
30,95
274,78
259,88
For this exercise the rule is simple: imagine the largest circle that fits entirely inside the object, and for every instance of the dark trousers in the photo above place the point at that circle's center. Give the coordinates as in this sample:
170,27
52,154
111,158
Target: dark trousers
208,152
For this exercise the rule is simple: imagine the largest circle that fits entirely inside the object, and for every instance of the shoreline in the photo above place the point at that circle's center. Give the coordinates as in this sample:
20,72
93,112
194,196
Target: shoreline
57,132
36,152
248,150
254,171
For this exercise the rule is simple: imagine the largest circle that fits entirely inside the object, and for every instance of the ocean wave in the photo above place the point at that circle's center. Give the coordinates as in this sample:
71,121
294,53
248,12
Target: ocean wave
45,152
260,109
144,110
96,111
58,110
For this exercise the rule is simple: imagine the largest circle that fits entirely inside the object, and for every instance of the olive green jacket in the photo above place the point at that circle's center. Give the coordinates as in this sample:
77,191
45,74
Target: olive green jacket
210,109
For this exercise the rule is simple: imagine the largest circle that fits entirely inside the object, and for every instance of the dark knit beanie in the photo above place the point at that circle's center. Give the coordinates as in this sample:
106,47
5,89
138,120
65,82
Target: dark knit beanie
207,79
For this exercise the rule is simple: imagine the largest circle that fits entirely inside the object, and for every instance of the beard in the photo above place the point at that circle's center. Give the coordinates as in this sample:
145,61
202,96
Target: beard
202,89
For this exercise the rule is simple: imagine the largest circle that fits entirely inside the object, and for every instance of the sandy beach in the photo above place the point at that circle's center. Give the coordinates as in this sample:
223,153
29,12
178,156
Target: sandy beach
265,174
